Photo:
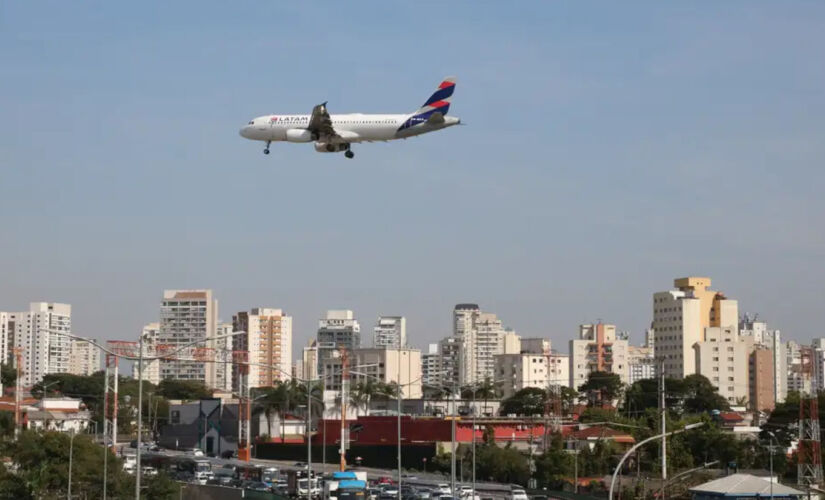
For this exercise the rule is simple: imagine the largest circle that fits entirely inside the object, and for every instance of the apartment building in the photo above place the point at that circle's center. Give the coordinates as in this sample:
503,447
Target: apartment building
597,349
84,359
431,366
680,318
151,368
763,336
800,362
723,357
185,317
641,363
42,350
268,342
761,373
399,366
337,330
390,331
480,336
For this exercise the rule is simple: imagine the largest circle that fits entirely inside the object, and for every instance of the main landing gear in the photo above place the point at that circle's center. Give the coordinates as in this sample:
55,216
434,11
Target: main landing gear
266,149
349,154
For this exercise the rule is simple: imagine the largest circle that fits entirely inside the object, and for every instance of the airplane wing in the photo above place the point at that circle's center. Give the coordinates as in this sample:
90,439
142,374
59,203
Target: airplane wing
321,124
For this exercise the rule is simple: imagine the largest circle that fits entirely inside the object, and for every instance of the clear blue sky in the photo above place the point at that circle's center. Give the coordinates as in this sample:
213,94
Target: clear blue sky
610,148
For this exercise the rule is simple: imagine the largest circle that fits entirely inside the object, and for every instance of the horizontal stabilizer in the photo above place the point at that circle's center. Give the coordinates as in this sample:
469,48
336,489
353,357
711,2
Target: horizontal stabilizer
436,118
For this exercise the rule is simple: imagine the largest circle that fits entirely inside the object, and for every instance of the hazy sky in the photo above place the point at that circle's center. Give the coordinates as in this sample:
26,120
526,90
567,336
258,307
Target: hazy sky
610,148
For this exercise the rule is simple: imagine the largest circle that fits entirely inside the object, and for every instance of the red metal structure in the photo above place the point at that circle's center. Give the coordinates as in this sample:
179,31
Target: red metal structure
809,453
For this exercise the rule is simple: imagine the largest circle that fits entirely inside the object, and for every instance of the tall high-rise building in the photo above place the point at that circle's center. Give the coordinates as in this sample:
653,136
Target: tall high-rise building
723,358
224,368
597,350
84,358
151,368
449,350
770,339
390,331
431,367
268,340
800,363
187,316
680,318
640,363
762,384
337,330
42,351
480,338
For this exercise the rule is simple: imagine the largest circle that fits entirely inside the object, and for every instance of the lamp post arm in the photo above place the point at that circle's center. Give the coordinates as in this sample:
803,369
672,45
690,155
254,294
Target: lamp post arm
643,442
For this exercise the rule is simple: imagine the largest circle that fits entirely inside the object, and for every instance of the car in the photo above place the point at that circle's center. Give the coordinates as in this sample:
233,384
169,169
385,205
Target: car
409,476
149,471
518,494
373,493
443,489
255,486
228,454
424,494
195,452
302,465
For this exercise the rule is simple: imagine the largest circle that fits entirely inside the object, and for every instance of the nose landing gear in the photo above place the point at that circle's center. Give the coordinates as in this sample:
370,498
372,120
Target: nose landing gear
266,149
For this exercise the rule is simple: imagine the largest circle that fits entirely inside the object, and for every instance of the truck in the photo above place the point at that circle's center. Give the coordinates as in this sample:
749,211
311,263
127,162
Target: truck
349,485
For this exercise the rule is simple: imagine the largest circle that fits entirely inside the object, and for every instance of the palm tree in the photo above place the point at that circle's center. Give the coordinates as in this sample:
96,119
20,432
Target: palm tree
486,390
361,393
268,400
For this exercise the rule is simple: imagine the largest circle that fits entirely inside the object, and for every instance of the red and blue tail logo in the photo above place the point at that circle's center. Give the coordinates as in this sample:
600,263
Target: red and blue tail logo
439,102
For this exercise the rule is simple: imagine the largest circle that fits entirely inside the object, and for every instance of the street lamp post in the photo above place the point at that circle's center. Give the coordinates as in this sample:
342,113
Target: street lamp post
639,444
140,416
71,452
770,450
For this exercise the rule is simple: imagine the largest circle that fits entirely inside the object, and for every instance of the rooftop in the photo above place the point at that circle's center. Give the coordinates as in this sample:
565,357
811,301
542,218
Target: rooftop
745,484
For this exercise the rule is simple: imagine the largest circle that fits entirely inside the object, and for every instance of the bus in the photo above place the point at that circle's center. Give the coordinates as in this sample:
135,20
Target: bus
345,486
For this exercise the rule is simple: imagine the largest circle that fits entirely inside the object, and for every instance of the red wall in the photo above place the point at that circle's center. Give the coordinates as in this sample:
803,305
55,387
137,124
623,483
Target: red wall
383,430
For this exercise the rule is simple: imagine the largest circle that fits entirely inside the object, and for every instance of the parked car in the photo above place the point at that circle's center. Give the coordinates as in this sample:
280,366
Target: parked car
228,454
255,486
443,489
518,494
195,452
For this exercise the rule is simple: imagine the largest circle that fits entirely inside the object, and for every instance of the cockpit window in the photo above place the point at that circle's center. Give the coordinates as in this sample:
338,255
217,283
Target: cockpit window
251,122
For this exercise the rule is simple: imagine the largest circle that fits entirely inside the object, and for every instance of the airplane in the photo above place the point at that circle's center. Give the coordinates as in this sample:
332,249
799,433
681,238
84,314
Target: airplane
336,133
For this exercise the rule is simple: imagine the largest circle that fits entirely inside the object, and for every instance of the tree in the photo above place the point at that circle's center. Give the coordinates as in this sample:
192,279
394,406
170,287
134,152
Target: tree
43,460
161,486
528,401
183,389
8,375
554,465
13,487
700,395
602,387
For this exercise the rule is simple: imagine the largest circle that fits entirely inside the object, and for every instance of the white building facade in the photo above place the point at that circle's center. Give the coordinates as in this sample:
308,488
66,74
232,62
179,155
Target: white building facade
641,363
597,349
42,351
480,337
390,331
84,359
187,316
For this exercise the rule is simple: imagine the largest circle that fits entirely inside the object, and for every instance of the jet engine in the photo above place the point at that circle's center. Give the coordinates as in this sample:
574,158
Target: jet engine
325,147
298,135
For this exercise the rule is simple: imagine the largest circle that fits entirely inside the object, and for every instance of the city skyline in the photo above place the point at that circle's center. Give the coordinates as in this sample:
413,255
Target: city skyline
607,150
636,338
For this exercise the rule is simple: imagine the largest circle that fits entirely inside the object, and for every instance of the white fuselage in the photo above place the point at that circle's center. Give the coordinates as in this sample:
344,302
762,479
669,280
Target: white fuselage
355,127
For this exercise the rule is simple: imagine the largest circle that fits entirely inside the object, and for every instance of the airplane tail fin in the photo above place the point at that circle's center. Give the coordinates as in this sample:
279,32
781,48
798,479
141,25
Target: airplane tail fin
436,107
439,102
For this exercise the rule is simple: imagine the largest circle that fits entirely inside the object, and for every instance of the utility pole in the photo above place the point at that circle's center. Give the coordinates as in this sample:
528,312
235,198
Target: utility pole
105,430
398,388
140,417
18,357
452,443
344,383
309,439
663,410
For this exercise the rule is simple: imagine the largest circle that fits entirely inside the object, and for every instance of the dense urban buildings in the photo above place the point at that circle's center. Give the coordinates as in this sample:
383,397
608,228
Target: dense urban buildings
723,357
641,363
390,331
151,368
385,365
431,366
598,349
268,340
535,366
